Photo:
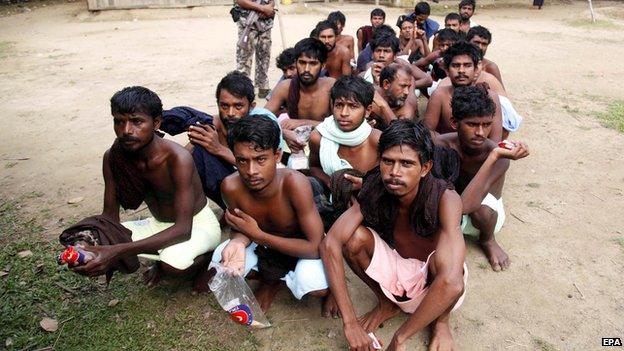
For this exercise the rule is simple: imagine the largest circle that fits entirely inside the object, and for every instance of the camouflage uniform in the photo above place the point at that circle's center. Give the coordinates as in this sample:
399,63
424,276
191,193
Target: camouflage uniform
259,40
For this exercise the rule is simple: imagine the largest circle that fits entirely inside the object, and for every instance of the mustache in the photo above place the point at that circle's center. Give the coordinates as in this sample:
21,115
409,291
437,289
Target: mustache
393,181
127,139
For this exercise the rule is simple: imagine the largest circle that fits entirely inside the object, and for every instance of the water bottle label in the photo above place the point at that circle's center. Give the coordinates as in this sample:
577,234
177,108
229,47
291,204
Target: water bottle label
241,314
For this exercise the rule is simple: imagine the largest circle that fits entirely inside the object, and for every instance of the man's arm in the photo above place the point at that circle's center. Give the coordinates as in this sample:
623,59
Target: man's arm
267,11
279,97
433,111
111,204
448,262
331,253
495,71
382,109
316,169
496,134
345,68
494,167
360,40
300,194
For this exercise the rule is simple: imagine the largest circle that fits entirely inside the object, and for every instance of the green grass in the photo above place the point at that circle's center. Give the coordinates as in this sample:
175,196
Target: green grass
4,48
619,241
163,318
614,116
599,24
544,345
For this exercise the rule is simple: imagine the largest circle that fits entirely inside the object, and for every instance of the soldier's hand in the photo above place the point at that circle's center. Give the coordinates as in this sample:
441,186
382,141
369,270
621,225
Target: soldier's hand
268,10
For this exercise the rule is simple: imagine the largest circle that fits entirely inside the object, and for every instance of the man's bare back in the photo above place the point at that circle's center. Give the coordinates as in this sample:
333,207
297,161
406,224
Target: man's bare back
348,42
338,62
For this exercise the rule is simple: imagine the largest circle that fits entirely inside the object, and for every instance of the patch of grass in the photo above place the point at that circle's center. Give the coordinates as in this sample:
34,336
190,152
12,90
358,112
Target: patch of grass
588,24
483,265
4,48
619,241
614,116
163,318
544,345
10,164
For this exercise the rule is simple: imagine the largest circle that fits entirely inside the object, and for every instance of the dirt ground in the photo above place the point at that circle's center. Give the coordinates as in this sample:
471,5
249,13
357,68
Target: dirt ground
60,64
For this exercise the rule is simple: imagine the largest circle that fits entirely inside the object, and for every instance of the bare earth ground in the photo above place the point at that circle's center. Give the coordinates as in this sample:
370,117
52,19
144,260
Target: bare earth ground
59,65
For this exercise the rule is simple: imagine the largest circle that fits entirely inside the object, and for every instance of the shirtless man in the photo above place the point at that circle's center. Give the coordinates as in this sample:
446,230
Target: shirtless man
441,42
365,33
417,215
338,57
484,213
307,95
452,21
345,140
411,39
466,11
276,229
346,40
140,166
396,87
463,63
482,38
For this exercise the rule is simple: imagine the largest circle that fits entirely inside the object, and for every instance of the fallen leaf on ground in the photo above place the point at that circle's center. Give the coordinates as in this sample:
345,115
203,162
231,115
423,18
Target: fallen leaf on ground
113,302
3,274
75,200
24,253
8,342
49,324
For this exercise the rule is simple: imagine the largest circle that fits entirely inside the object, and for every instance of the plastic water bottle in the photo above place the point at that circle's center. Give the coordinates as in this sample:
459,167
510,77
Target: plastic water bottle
299,160
75,256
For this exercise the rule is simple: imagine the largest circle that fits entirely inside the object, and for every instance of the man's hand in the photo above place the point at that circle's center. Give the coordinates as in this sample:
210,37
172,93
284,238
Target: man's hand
357,337
519,150
356,181
395,345
105,257
233,256
243,223
420,34
292,141
206,137
376,71
291,123
268,10
380,101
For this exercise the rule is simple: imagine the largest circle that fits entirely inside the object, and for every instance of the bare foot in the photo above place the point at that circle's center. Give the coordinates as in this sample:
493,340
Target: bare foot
152,276
200,284
495,254
330,307
375,317
441,337
265,294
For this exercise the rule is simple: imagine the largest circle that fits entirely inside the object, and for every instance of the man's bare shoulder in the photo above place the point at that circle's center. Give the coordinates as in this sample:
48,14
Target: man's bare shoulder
315,138
327,82
293,181
374,136
447,140
344,52
231,184
450,209
442,92
177,152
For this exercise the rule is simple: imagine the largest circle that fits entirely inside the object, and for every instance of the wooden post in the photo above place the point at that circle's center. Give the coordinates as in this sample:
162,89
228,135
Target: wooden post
591,11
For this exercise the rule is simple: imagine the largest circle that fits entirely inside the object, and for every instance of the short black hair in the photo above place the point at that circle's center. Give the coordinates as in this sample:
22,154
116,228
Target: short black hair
382,30
136,99
452,16
385,41
472,3
326,24
353,88
403,18
378,12
238,84
312,48
260,130
389,73
409,133
422,8
462,48
446,34
337,16
286,58
479,31
472,101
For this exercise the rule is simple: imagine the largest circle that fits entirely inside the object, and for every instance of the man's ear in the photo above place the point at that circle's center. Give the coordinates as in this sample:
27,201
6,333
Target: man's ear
368,111
278,155
157,122
454,123
426,168
478,69
252,105
385,84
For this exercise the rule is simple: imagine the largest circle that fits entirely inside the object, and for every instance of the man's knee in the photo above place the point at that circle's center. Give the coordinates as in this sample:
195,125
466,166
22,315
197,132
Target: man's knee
484,217
361,239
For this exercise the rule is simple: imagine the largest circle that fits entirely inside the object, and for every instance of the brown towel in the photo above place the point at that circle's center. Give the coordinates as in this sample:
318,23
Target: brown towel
129,186
293,97
342,189
104,231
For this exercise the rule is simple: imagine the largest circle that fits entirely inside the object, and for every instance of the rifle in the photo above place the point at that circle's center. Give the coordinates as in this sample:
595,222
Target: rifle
249,21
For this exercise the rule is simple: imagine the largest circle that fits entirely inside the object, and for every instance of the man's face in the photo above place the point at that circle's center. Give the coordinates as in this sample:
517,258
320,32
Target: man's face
443,45
328,37
339,27
290,71
407,29
383,54
308,69
349,114
473,131
401,170
377,21
462,71
481,43
397,91
232,108
466,11
453,24
135,130
420,19
256,167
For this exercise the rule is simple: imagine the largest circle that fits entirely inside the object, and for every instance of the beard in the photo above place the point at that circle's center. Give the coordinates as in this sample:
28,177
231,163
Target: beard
309,81
396,103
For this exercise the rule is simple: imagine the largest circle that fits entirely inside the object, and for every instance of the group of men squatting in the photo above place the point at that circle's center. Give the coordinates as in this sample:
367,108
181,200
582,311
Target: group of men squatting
387,192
